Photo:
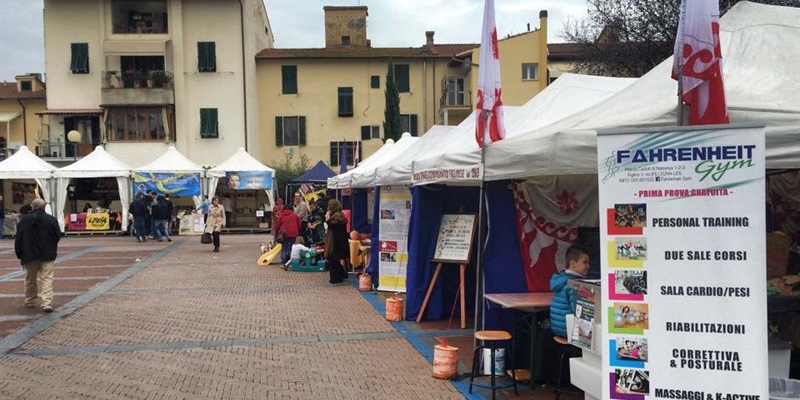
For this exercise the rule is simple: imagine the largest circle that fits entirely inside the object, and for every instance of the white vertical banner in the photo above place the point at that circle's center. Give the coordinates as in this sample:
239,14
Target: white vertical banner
682,233
395,216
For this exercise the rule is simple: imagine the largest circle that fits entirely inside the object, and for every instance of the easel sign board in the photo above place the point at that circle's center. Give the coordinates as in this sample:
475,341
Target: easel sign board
454,244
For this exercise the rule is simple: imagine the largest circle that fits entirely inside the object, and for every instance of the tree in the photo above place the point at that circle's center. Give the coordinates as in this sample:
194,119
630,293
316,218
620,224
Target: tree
630,37
391,114
288,170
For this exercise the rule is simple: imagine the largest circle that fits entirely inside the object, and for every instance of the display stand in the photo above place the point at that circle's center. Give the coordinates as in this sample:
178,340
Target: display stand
454,246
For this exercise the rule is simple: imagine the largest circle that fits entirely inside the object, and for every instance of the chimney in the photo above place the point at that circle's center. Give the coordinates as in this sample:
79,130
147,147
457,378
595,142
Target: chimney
429,37
529,26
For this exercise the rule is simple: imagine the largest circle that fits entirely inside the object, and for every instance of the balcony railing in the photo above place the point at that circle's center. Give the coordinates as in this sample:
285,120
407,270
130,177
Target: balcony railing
136,87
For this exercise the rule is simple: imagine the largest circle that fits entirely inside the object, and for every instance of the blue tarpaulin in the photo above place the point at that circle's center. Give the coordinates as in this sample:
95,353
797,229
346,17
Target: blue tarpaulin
318,174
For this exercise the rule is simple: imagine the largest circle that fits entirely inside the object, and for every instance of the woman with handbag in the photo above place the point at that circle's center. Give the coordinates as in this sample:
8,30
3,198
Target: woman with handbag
336,245
215,221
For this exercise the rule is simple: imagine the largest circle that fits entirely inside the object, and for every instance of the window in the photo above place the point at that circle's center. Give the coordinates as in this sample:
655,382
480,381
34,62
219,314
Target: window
139,17
401,79
25,86
345,40
375,82
209,123
455,92
408,123
337,149
139,124
80,58
370,132
138,68
206,56
290,131
289,79
530,72
345,102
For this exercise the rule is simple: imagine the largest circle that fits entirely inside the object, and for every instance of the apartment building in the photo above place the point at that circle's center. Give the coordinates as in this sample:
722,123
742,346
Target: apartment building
320,102
139,75
19,102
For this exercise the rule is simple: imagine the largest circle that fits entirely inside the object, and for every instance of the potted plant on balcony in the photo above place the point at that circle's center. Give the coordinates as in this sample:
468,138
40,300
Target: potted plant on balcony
161,79
113,80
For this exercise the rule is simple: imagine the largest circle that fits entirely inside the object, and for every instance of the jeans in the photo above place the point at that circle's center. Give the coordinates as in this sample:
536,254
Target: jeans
139,227
286,250
160,229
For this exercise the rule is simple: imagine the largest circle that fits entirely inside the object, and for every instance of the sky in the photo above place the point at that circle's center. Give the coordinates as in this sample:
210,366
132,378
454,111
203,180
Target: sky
300,23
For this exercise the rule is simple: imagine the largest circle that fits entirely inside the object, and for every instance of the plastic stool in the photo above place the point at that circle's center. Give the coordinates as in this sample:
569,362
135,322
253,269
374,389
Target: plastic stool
567,351
492,337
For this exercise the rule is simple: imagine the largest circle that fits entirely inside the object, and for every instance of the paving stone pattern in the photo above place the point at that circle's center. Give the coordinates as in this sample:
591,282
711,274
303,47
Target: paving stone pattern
185,323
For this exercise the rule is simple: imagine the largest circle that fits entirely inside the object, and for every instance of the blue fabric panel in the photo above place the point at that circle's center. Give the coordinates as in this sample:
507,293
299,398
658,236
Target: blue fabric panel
429,203
359,211
504,272
372,268
319,173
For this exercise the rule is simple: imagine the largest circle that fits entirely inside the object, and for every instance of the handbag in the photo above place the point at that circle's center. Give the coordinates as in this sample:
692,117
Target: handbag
205,238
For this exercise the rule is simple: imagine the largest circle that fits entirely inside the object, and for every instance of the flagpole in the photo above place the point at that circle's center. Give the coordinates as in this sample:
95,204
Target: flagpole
479,289
679,61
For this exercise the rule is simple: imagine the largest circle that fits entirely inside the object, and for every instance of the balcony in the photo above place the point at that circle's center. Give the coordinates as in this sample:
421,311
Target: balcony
137,88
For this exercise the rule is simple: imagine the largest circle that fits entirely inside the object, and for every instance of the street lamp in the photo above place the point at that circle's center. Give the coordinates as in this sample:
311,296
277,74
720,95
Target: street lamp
74,137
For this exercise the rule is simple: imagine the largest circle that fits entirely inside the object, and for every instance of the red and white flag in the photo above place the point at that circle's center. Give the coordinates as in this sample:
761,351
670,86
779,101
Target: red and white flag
489,127
698,62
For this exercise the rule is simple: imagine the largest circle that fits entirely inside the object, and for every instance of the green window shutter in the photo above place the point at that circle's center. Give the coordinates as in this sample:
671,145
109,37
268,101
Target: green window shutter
79,63
206,57
301,127
375,82
401,78
345,97
412,124
366,132
279,131
289,79
334,161
209,124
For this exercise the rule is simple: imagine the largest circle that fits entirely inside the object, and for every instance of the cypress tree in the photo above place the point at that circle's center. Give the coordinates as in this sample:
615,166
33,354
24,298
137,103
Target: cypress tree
391,114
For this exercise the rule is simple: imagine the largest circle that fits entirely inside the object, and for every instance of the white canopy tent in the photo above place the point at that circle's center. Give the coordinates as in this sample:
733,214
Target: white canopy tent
366,178
97,164
344,181
397,170
240,161
761,69
569,94
23,164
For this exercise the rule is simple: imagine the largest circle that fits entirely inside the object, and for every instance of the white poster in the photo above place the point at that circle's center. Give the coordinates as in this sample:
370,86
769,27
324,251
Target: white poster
684,285
395,215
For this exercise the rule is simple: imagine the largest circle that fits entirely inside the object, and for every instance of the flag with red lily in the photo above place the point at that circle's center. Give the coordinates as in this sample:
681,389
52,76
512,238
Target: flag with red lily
489,126
698,62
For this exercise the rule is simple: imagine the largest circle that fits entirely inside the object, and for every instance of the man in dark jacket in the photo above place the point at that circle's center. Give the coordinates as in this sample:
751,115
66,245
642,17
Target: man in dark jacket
139,209
36,246
161,216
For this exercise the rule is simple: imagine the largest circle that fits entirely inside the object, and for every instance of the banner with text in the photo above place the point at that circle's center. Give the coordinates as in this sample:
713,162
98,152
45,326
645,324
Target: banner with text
395,215
470,173
683,263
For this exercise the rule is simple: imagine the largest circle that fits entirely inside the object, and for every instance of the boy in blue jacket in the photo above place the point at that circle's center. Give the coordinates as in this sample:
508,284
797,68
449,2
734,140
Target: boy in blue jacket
564,298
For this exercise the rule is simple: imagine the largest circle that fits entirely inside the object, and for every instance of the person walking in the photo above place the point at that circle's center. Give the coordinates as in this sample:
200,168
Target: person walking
36,246
204,205
336,246
215,221
139,210
161,214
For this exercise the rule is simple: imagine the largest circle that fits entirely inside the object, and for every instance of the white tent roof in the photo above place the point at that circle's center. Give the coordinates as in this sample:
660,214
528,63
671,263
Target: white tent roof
25,165
239,161
366,177
99,163
171,161
397,171
761,65
568,95
343,181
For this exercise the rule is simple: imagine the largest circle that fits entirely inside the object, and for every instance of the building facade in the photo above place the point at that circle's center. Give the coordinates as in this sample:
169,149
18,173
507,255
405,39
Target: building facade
138,76
322,102
19,102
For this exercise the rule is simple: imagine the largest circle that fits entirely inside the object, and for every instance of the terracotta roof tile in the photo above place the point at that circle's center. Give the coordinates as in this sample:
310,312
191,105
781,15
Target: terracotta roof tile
437,50
8,91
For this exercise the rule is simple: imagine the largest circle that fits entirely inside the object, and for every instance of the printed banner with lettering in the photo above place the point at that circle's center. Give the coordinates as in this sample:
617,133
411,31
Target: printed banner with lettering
395,216
471,173
684,258
98,221
248,180
181,184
